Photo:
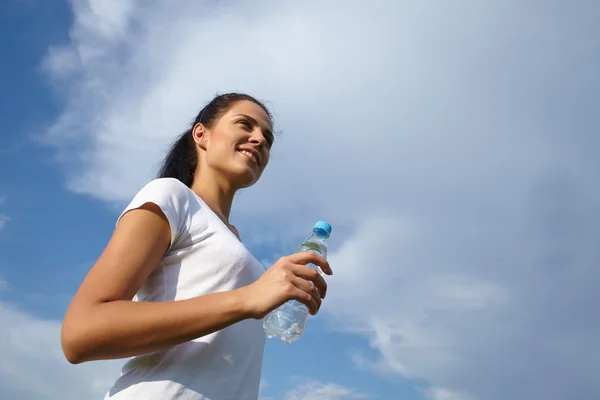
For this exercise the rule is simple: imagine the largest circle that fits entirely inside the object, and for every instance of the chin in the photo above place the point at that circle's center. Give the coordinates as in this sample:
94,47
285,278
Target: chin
246,179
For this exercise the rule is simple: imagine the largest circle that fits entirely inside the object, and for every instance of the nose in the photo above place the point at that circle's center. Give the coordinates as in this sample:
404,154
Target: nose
258,138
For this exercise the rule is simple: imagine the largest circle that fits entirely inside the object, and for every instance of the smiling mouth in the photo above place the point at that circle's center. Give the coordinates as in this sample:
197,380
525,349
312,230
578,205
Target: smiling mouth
250,156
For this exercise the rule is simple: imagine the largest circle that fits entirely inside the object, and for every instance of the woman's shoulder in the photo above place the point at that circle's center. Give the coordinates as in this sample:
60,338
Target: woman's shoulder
174,199
165,192
168,183
166,187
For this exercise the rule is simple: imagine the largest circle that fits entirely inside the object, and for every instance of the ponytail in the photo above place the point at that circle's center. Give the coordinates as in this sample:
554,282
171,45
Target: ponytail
181,160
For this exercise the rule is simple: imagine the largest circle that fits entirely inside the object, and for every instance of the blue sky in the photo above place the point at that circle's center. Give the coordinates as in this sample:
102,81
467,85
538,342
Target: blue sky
35,203
451,145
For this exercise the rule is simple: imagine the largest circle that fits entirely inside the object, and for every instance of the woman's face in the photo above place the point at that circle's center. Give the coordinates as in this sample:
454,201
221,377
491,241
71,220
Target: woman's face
237,146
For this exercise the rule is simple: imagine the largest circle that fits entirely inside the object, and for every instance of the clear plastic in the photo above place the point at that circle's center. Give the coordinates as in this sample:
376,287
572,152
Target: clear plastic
288,321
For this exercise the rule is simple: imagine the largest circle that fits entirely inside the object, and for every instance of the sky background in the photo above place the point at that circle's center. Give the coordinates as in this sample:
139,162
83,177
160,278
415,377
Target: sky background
453,146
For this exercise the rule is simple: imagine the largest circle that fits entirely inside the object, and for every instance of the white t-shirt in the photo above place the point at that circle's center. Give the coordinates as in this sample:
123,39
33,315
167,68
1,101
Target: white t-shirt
204,257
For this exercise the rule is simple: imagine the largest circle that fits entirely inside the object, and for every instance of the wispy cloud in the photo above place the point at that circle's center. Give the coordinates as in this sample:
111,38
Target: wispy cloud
453,147
32,365
444,394
309,389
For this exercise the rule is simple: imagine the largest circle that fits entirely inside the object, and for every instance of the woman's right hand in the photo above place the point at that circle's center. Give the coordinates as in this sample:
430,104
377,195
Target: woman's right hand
288,279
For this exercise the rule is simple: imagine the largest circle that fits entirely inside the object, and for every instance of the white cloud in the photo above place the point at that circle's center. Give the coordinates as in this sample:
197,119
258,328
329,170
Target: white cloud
309,389
444,394
451,144
32,365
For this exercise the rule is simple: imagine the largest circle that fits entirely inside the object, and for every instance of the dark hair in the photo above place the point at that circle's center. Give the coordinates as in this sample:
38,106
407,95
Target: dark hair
181,160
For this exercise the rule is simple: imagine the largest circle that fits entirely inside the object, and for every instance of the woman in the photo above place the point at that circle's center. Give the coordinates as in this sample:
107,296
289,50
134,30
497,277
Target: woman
194,328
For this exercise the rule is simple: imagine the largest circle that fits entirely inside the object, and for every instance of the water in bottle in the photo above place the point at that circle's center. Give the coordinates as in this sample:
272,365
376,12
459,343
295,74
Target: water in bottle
288,320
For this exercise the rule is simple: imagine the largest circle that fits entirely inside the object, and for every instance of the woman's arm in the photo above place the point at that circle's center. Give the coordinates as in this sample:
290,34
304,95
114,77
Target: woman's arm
103,323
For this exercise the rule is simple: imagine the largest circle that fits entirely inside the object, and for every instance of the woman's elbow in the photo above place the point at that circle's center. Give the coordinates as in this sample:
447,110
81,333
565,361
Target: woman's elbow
72,341
69,346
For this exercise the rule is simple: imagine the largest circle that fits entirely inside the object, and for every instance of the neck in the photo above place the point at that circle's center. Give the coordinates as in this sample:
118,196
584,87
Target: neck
216,193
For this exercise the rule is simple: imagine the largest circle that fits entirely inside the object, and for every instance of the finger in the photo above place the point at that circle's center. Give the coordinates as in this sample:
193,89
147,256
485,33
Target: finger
310,257
307,298
308,287
312,275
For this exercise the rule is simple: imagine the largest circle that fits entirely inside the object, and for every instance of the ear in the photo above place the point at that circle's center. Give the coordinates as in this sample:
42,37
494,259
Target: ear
200,135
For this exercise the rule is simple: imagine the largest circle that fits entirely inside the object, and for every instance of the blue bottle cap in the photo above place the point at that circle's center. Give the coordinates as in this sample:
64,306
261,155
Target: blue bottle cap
322,228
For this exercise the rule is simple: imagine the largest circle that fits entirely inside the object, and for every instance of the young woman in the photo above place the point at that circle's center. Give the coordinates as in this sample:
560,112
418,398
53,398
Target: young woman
193,330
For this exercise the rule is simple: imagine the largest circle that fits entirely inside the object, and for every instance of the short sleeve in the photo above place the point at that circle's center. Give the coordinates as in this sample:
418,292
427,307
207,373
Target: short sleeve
172,197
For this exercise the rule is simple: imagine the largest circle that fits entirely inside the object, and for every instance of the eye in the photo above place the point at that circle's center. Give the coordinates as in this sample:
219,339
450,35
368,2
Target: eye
245,123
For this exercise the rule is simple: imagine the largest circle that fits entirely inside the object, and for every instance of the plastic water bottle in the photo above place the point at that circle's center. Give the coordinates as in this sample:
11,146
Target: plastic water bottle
289,319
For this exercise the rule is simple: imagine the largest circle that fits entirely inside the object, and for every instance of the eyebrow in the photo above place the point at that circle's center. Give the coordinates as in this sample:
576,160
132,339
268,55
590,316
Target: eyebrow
255,122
